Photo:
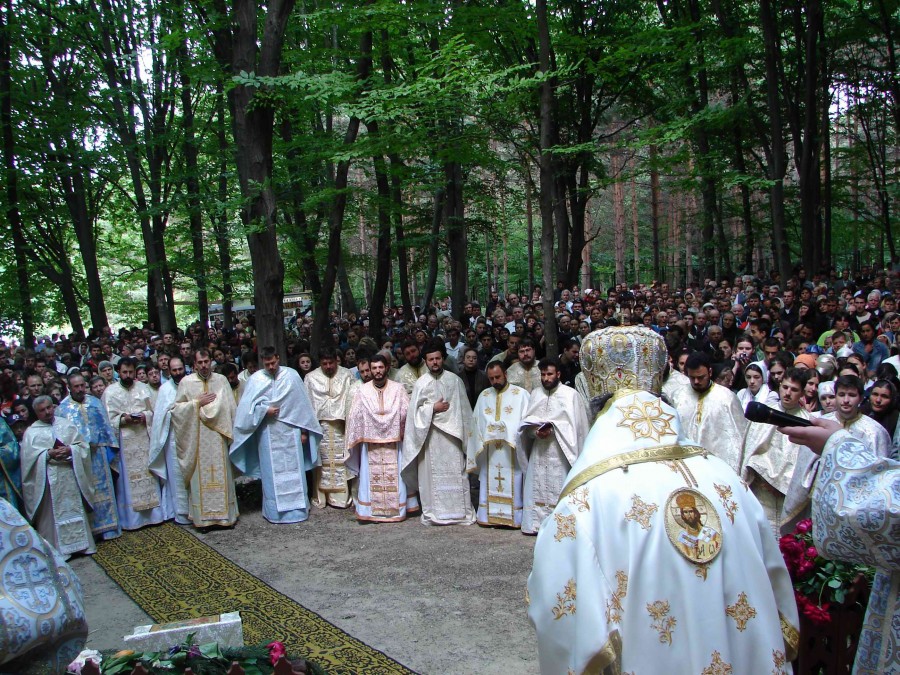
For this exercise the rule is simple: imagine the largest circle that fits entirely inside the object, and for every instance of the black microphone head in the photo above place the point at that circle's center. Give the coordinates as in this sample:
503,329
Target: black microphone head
757,412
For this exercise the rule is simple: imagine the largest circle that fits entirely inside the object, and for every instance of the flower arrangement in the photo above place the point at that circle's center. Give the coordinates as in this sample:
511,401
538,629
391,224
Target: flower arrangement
818,582
206,659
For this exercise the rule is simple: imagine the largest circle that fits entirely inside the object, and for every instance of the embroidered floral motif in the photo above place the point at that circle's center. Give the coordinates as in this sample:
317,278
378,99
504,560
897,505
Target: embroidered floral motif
508,410
718,666
662,622
728,503
488,411
640,512
565,526
646,419
565,601
579,498
701,571
778,659
614,604
741,612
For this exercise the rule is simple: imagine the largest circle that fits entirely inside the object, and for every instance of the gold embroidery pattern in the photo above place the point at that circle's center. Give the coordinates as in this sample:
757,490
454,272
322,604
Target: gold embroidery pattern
741,612
701,571
527,597
778,659
718,666
646,419
565,526
673,467
488,411
728,503
614,604
565,601
791,638
579,498
662,622
641,512
508,410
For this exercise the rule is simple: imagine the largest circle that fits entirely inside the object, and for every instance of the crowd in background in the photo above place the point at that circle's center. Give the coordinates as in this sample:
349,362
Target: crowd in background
753,328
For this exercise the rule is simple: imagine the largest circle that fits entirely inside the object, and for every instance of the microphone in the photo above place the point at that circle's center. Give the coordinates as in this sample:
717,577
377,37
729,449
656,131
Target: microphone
760,412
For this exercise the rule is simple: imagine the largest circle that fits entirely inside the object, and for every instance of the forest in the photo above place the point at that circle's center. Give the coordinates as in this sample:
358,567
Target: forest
160,156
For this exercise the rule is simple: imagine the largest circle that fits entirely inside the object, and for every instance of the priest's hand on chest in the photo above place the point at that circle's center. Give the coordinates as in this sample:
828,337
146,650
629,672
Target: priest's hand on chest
61,453
441,406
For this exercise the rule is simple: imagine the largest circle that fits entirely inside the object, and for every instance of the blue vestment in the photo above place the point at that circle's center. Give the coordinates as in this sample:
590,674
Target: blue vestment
10,470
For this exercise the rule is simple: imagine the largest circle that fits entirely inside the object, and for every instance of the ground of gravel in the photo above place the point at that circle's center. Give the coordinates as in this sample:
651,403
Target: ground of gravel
437,599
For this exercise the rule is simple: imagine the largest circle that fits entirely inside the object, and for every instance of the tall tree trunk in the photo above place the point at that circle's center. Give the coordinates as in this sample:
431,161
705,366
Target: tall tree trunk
777,164
636,241
347,299
195,216
220,217
654,213
397,167
618,216
383,250
529,221
437,218
12,183
546,177
456,237
809,169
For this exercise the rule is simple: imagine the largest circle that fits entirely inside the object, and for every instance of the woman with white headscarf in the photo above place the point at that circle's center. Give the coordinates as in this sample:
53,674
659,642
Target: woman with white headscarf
757,376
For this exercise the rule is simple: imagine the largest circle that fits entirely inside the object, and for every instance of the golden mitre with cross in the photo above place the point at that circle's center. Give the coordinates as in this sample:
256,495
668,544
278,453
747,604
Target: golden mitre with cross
623,357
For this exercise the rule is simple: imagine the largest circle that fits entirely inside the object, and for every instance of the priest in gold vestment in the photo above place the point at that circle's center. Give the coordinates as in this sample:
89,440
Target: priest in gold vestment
203,420
331,388
657,558
438,430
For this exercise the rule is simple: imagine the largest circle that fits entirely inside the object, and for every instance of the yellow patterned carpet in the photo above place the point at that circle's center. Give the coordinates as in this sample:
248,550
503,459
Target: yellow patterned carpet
172,576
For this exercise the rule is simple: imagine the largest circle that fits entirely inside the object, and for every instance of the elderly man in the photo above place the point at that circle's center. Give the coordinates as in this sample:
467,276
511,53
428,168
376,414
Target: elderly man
331,389
203,419
131,414
551,433
276,438
654,538
492,454
438,429
57,482
89,416
375,427
163,456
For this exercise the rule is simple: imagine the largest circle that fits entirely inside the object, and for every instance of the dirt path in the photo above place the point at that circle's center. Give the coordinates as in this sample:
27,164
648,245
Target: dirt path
437,599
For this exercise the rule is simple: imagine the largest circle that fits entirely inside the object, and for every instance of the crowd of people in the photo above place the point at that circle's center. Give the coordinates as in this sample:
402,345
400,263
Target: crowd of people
461,420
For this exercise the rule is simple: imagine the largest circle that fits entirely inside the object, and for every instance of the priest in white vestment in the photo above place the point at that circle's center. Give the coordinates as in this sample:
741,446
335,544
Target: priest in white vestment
675,382
330,389
525,372
848,392
375,428
276,438
498,413
139,492
856,514
163,456
438,429
203,420
88,414
414,367
770,458
551,433
57,483
710,414
657,558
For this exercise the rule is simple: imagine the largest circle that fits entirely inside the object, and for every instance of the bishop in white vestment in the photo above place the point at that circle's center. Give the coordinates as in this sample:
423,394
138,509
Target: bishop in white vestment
551,433
375,428
57,483
657,558
438,427
498,413
276,438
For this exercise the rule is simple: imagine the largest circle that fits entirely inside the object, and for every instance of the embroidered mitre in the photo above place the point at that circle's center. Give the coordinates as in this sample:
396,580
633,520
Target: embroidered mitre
623,357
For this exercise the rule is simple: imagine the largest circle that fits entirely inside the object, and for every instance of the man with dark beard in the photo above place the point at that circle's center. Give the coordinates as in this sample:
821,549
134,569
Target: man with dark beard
163,458
492,454
550,437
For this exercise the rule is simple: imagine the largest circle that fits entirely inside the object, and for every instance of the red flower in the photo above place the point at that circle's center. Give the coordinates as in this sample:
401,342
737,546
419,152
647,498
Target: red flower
804,526
812,553
276,651
816,613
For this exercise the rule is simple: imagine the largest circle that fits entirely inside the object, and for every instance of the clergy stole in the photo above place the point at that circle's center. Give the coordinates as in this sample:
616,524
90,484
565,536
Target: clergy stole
384,479
287,470
68,511
334,475
500,492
